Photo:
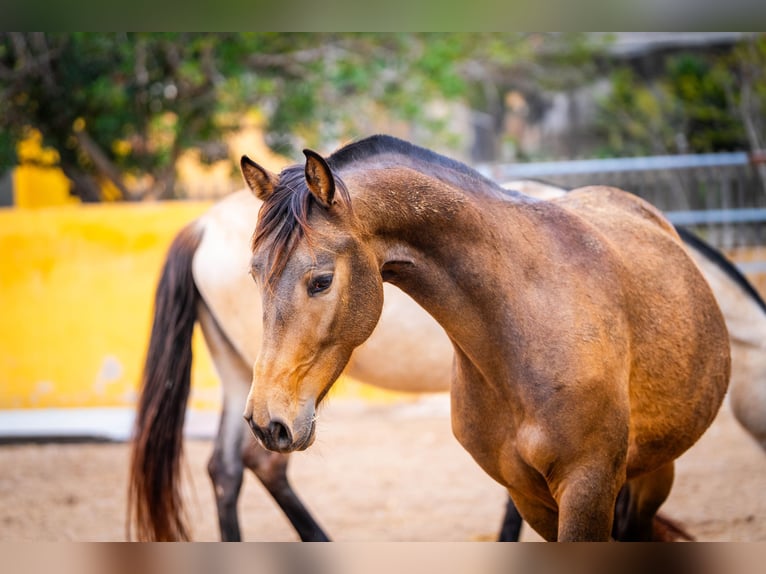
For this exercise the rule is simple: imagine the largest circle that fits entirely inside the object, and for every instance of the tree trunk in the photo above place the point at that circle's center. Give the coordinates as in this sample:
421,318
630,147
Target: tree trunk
102,162
84,185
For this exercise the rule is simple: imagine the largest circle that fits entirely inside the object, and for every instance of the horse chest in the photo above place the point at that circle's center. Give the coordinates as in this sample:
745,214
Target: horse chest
496,444
490,440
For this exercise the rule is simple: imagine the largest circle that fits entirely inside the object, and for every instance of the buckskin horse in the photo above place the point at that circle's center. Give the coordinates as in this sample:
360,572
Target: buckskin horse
582,369
407,351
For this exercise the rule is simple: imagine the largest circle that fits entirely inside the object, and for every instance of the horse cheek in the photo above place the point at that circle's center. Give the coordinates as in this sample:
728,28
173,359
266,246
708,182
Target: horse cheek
364,303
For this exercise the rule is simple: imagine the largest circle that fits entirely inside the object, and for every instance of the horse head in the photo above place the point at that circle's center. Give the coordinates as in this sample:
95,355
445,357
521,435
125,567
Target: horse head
322,294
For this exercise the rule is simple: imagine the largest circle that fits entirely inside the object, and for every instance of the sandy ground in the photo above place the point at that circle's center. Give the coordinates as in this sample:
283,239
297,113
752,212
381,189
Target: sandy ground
375,473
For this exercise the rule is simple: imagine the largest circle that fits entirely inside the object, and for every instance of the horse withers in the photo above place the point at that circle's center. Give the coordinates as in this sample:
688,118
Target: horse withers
582,366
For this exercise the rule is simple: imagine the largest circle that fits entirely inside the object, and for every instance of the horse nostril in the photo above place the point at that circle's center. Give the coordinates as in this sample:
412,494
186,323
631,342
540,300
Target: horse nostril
280,435
257,432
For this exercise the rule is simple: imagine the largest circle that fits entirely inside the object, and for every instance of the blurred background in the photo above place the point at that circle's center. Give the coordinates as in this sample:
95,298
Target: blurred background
110,143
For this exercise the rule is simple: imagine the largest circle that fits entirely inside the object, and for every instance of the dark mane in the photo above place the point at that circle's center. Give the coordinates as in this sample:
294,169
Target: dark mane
436,165
285,215
723,264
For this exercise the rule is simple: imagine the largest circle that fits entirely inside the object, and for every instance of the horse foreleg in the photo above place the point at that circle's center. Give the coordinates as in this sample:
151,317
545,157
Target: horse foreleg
226,469
586,502
510,529
271,469
637,505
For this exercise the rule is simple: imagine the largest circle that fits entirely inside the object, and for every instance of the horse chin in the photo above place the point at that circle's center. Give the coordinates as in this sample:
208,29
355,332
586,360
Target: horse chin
308,438
303,433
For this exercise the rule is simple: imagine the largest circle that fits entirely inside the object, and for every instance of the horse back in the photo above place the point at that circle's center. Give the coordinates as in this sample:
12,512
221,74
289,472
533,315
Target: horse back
611,208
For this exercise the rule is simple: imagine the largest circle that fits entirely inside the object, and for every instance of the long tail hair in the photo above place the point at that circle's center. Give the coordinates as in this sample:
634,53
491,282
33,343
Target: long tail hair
154,496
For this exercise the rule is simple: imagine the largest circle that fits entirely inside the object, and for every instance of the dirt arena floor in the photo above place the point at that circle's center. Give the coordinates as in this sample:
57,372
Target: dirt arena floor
375,473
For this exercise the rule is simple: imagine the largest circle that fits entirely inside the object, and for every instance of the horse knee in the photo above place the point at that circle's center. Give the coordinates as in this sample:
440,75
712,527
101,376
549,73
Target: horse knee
226,478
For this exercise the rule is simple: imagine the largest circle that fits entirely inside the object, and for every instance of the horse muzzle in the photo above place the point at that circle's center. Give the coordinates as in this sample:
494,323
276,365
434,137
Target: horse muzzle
279,437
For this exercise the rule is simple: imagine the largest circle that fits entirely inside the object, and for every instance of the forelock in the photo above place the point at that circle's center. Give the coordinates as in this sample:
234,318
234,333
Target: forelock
283,219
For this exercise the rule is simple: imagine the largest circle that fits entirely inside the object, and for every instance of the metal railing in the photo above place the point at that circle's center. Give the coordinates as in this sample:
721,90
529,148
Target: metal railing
720,196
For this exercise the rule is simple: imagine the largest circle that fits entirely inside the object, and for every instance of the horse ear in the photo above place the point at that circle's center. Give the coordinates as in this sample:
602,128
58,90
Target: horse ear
260,180
319,178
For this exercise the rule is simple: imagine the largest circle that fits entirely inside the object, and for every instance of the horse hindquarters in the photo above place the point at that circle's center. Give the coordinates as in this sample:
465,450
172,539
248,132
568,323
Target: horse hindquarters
154,497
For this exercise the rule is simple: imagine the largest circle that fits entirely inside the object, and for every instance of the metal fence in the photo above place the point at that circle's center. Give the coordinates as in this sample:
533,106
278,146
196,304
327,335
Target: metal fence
720,196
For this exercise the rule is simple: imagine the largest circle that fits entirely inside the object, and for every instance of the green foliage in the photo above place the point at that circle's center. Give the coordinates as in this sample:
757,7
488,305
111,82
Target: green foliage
131,103
696,103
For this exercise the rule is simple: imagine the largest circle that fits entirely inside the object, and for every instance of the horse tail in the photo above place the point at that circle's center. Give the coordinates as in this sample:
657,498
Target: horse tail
154,495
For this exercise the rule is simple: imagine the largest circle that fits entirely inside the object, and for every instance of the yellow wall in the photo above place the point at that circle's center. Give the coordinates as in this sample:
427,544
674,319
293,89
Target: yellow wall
40,187
76,298
77,286
38,182
76,293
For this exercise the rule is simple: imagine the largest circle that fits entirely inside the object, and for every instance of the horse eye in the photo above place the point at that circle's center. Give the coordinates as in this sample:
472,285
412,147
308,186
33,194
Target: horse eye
319,283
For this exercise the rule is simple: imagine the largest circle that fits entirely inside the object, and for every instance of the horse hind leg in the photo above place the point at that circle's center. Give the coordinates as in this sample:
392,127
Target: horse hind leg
226,471
225,466
635,515
510,529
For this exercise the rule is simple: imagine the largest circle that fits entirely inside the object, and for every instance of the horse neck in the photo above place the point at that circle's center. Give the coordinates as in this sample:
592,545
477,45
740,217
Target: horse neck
443,246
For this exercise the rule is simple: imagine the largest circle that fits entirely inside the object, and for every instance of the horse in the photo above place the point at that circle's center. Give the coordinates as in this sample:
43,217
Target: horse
407,351
582,369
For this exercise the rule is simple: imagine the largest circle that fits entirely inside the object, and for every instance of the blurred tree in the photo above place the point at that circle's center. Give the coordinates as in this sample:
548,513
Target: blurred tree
744,73
697,103
124,107
111,104
745,70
